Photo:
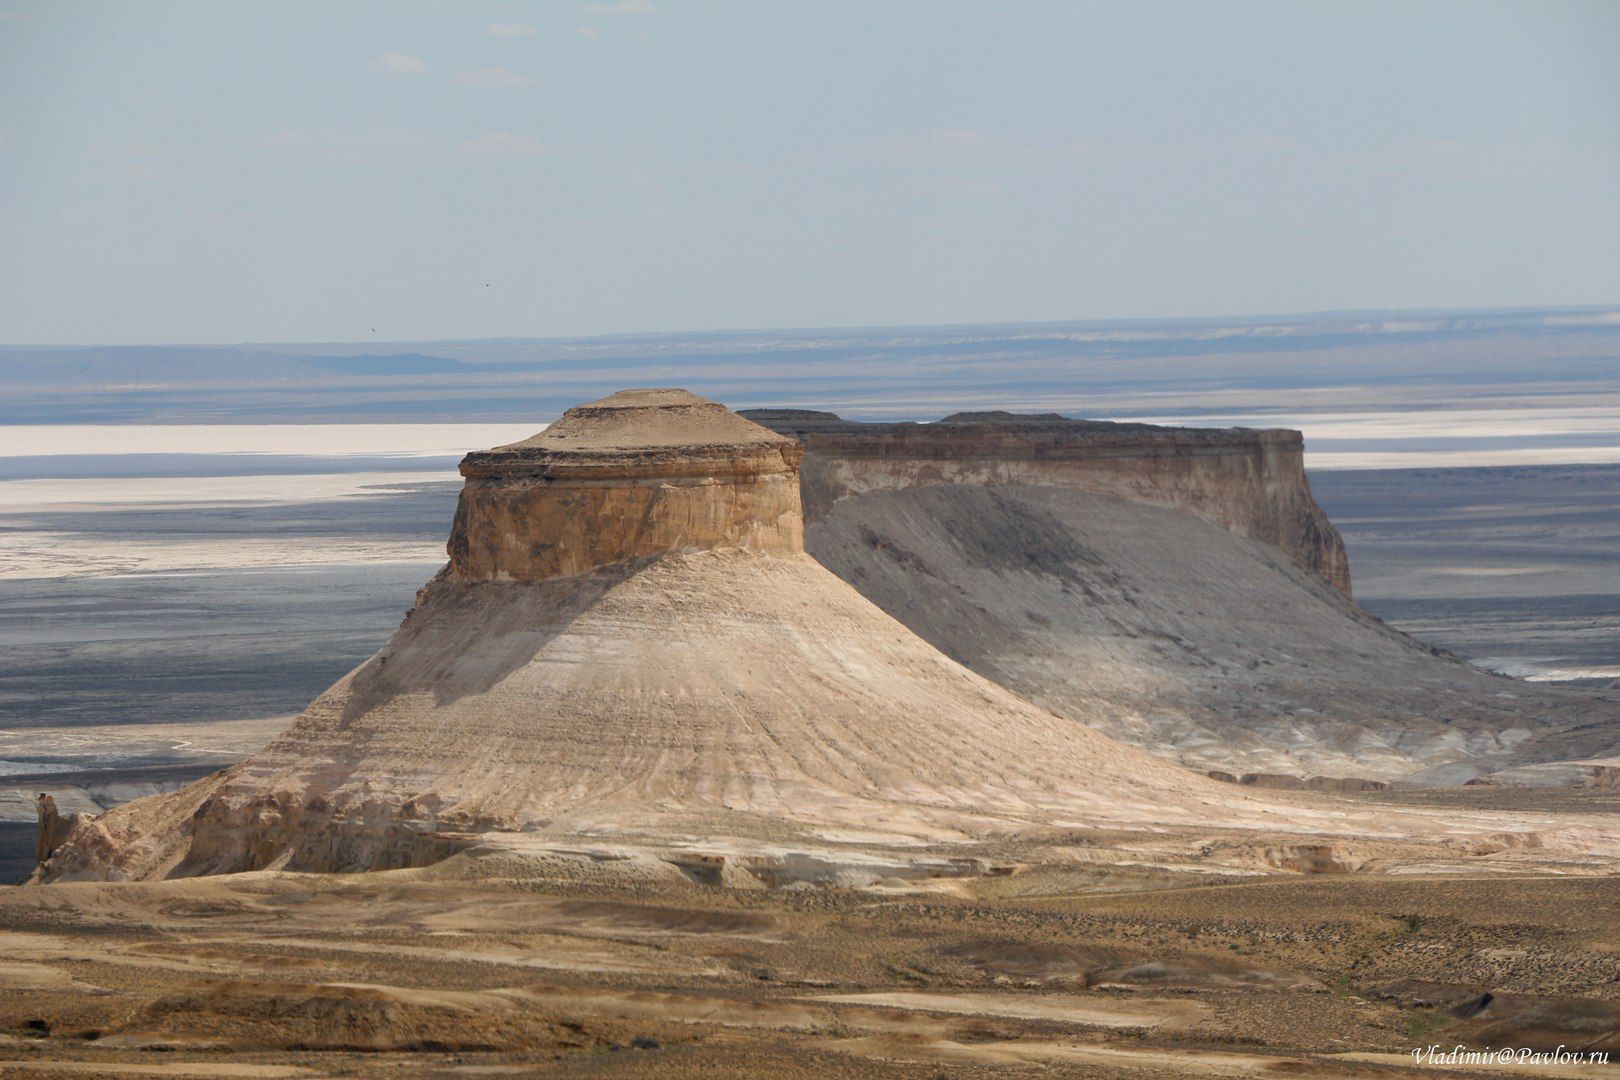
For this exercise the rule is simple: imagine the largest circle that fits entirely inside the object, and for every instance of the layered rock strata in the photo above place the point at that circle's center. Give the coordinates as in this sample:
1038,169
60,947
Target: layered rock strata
1251,482
638,474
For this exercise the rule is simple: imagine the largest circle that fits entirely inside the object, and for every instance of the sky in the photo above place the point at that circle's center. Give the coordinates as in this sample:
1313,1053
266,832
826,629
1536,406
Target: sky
308,171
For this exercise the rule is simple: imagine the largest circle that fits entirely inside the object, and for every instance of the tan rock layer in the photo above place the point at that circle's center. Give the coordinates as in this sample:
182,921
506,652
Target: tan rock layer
529,519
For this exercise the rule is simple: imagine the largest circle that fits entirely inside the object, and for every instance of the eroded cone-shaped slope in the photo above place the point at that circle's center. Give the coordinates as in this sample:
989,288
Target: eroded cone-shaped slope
718,693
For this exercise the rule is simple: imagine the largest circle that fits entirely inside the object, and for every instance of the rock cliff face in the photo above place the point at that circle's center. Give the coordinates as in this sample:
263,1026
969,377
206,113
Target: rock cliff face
635,475
53,827
1251,482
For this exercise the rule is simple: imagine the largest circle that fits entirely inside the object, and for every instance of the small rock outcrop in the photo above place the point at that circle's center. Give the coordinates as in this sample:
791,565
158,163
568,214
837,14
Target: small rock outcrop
53,827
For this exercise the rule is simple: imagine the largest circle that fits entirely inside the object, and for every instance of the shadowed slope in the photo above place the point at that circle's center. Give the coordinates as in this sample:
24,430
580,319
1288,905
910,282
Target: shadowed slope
1186,639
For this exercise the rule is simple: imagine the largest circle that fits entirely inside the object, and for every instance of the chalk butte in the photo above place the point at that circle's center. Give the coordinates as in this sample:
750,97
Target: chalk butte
630,647
630,641
1065,560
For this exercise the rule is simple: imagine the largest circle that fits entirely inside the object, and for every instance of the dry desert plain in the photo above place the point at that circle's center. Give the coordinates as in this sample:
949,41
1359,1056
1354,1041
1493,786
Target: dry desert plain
1120,960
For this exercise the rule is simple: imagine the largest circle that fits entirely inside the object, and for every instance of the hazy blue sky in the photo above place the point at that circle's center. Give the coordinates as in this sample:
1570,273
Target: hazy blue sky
214,172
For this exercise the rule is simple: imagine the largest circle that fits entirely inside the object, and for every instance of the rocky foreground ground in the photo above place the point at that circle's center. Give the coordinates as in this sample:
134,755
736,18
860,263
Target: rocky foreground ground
472,967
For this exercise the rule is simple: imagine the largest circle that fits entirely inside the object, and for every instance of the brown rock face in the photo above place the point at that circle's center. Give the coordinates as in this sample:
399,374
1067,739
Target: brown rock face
1251,482
53,827
637,474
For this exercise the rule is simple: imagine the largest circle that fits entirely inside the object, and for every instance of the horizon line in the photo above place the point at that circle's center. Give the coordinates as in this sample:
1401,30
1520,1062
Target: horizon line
1091,321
